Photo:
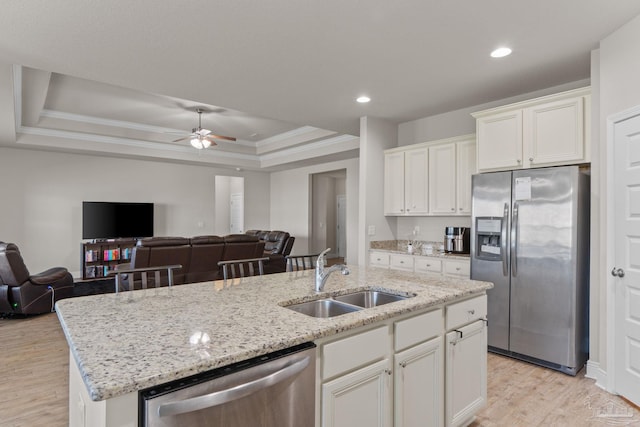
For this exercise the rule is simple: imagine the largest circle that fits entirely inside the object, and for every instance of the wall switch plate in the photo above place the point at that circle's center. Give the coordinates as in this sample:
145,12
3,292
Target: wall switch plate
372,230
416,229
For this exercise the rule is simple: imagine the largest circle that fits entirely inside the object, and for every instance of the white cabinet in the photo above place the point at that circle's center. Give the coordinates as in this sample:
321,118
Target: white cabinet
360,399
547,131
442,179
450,169
401,262
419,371
419,386
465,168
432,178
379,259
427,265
356,374
455,267
405,182
466,360
394,183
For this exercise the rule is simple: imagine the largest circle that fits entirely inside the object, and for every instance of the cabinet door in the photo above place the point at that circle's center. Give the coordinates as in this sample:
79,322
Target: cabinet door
466,167
419,385
466,373
554,133
379,259
394,183
457,268
499,139
442,179
359,399
401,262
416,181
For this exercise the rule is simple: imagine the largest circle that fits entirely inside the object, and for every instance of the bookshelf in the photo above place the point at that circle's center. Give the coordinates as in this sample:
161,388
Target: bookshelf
97,259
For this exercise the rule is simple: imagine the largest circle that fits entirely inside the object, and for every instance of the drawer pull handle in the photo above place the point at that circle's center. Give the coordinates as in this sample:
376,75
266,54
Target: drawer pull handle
457,268
456,339
428,265
472,312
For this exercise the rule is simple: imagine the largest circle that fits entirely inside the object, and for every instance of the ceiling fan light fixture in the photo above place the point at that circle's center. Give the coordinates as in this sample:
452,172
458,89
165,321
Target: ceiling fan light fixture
197,143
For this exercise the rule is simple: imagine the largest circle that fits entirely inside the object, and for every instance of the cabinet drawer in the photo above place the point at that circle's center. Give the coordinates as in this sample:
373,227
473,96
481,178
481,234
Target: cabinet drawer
456,268
417,329
355,351
401,262
465,312
379,259
428,265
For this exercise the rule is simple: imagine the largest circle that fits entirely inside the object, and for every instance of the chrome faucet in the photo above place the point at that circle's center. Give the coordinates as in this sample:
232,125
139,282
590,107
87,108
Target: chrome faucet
322,274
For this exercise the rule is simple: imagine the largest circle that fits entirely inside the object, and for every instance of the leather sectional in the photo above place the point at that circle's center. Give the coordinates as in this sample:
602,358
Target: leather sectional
199,256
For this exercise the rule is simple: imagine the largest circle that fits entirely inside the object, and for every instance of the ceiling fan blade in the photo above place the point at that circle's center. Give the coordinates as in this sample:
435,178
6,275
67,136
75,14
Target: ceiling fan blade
212,136
182,139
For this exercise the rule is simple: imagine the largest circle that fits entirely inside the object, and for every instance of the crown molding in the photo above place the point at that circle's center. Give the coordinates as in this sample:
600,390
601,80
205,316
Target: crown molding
322,144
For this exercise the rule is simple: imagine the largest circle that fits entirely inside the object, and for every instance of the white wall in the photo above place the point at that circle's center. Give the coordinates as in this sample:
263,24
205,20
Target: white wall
376,135
619,90
42,194
291,204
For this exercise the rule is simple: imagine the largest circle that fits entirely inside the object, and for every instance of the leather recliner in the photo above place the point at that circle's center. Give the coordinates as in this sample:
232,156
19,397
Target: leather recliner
277,246
25,293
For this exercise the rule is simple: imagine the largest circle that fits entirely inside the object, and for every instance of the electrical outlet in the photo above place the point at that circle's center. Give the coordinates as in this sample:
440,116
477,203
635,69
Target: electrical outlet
372,230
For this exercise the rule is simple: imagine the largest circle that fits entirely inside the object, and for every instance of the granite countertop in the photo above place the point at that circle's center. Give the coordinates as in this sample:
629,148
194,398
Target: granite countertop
133,340
400,247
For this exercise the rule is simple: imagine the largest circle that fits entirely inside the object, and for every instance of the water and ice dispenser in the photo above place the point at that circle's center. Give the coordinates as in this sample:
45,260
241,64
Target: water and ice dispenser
489,238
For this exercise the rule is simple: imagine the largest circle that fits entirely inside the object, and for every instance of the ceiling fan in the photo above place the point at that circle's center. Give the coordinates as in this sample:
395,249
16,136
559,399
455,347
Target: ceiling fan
203,138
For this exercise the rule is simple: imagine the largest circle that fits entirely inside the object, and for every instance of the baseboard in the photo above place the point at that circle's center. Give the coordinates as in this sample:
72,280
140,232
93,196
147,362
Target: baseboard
596,373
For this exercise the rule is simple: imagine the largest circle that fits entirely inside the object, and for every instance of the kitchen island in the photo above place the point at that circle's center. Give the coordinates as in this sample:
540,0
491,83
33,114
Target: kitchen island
126,342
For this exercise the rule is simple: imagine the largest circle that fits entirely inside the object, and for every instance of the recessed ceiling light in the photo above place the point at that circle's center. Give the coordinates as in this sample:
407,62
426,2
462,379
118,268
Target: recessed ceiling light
363,99
501,52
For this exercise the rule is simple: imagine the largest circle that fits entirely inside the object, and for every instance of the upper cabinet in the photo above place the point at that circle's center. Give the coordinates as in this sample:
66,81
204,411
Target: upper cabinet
405,182
547,131
432,178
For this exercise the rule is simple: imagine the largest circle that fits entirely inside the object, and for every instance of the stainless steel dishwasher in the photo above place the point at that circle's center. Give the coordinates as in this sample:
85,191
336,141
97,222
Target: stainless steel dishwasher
274,390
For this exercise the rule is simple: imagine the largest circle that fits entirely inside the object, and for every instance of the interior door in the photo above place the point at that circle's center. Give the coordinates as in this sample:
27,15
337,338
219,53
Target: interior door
626,268
341,225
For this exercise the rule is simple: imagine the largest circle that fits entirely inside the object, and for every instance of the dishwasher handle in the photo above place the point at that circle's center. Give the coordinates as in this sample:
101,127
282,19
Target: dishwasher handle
233,393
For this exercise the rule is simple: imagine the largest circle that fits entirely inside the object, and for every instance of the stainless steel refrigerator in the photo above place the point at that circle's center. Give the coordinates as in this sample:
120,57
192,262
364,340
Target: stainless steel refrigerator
530,237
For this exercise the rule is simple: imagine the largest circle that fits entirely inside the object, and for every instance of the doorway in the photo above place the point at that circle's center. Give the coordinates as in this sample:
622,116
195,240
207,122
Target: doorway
328,214
229,205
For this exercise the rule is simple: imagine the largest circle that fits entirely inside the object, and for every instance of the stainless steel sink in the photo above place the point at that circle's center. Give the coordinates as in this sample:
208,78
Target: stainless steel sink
323,308
367,299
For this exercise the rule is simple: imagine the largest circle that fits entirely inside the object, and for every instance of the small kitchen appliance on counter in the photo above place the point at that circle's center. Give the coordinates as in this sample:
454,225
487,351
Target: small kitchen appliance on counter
456,240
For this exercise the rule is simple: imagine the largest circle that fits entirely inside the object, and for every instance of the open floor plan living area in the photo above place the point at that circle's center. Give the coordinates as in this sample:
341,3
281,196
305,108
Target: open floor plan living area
320,214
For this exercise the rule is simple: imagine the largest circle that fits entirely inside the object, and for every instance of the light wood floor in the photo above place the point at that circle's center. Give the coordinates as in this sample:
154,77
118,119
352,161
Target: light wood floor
34,386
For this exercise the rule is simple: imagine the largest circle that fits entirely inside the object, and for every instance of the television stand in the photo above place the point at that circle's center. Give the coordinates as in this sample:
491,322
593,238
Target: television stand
99,257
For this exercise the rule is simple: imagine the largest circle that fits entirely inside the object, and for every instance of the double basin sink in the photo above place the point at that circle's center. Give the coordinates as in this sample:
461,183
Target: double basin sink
348,303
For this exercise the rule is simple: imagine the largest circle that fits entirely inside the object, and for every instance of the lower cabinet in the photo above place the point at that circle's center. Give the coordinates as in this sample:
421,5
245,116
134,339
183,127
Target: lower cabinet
418,385
466,365
360,398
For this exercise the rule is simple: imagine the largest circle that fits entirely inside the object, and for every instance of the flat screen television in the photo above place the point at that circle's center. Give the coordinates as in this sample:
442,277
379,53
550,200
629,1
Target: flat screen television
110,220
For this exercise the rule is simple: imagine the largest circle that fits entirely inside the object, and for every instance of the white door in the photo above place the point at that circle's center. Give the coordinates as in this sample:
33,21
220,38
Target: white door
236,204
626,268
341,225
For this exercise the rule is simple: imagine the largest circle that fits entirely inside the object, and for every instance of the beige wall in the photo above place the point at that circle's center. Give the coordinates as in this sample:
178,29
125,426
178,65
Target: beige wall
42,194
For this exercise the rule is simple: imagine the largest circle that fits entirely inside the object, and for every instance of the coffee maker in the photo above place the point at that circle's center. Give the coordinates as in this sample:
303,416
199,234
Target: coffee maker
456,240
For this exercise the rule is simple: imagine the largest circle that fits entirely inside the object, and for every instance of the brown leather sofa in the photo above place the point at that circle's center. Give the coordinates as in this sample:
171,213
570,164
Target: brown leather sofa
199,256
25,293
277,245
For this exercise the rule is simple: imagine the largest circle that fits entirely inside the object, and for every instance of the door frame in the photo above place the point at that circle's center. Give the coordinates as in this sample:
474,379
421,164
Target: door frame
610,228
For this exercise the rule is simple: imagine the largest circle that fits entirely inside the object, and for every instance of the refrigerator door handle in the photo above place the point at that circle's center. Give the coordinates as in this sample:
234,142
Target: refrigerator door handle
514,241
503,240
